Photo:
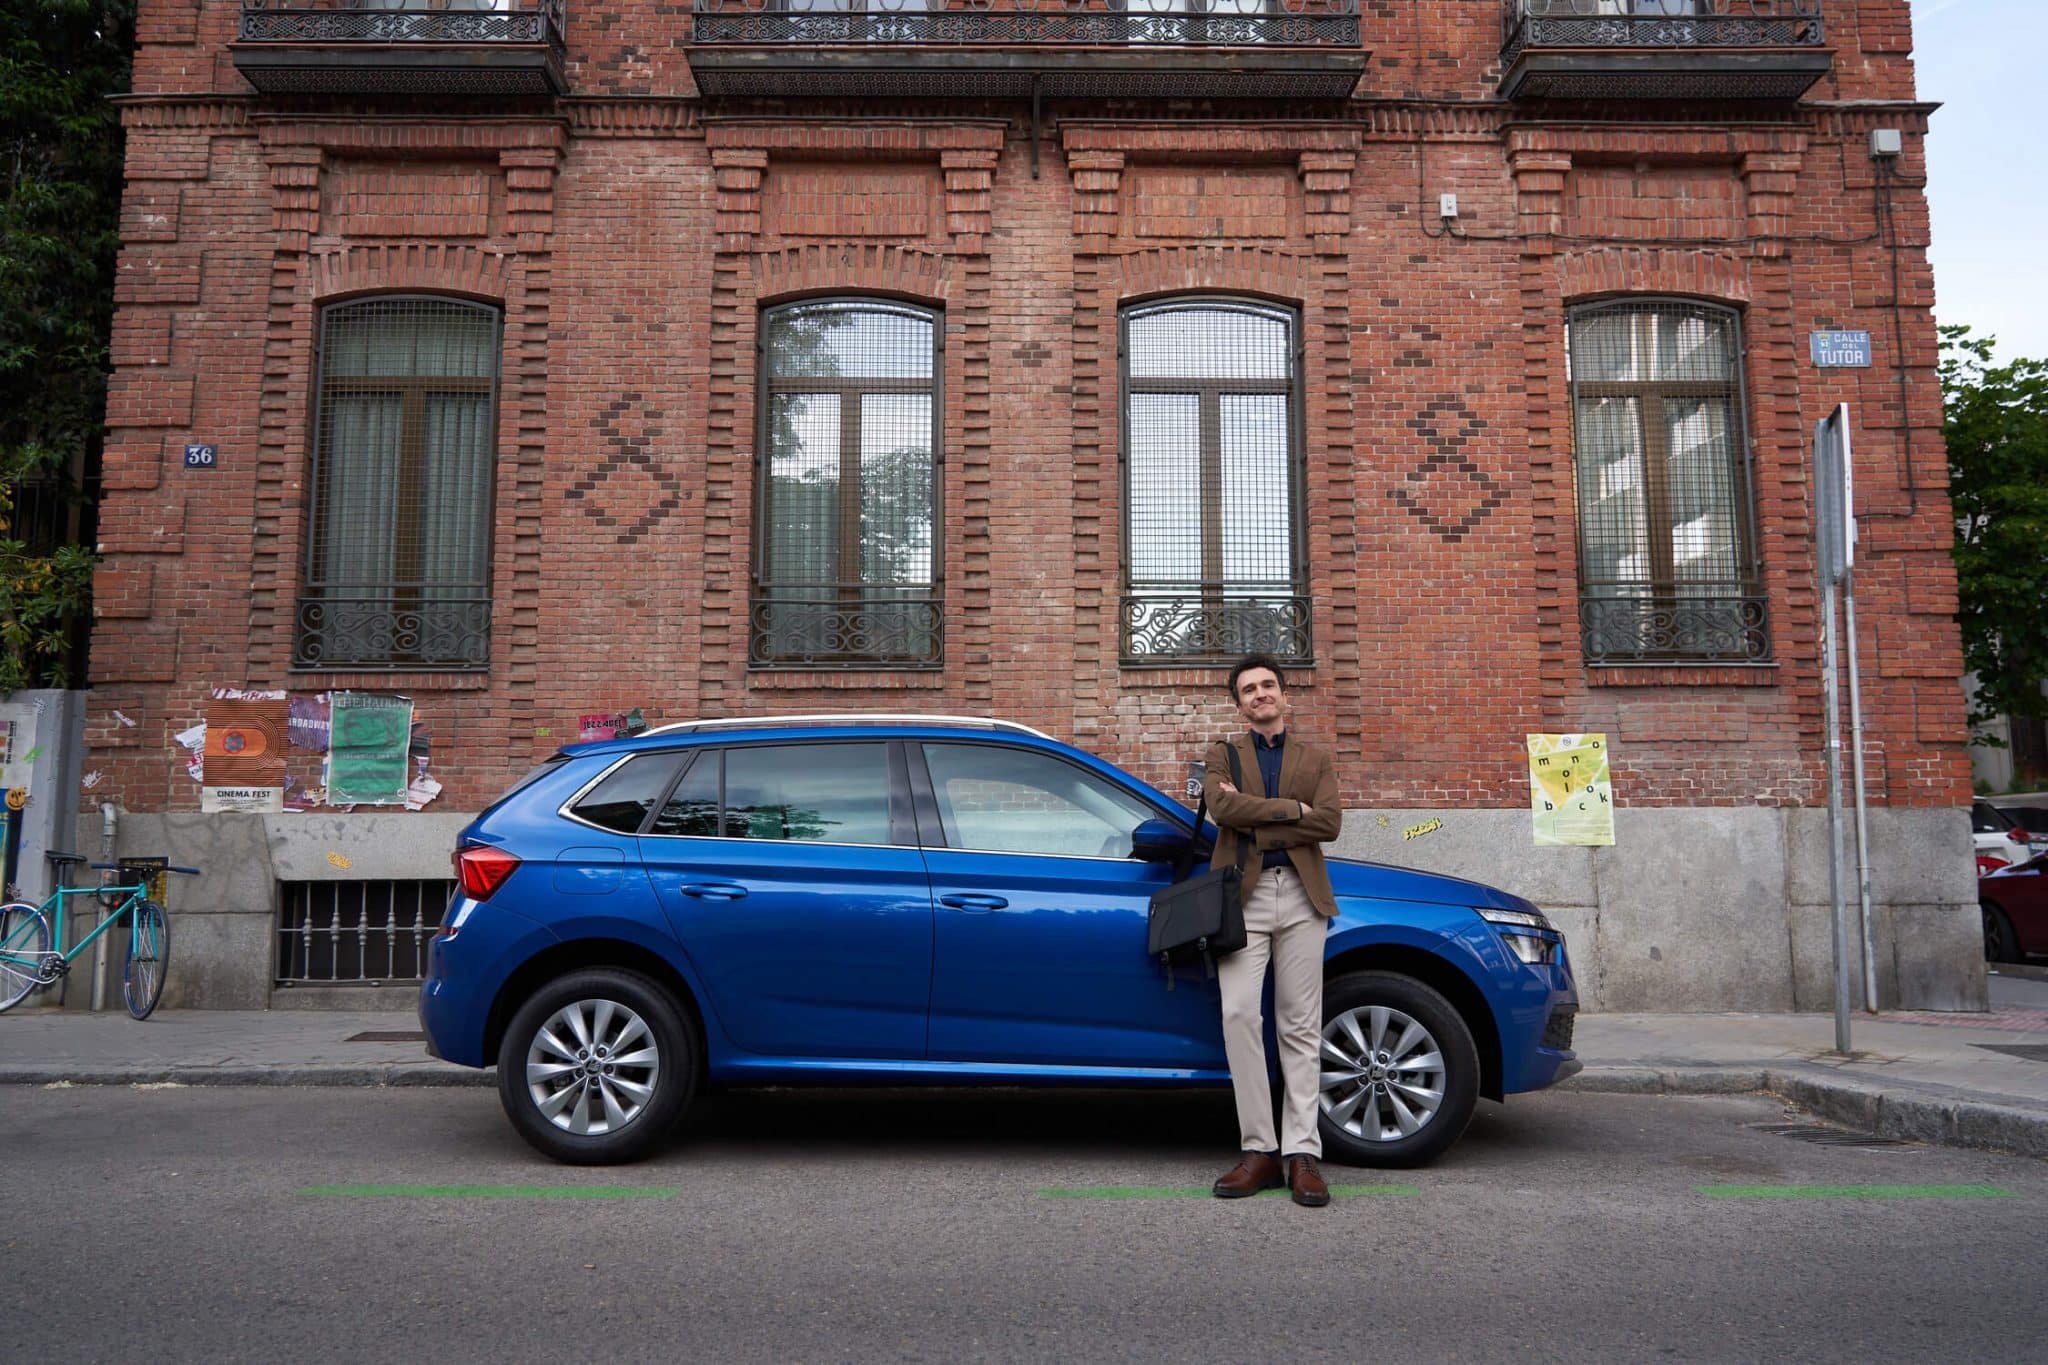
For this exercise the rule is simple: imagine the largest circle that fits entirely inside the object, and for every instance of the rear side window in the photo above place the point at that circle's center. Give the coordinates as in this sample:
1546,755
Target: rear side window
800,793
621,802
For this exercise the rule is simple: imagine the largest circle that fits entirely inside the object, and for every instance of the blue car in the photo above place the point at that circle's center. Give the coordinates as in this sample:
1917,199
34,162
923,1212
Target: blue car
835,900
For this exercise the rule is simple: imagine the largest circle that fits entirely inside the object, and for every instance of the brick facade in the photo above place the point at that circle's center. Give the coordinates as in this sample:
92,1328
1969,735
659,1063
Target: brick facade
633,232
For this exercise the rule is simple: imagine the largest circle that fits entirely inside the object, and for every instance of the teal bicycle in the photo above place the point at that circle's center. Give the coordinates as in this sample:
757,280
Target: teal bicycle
28,962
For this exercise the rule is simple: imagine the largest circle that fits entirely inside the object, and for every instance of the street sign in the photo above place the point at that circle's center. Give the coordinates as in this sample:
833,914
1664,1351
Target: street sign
1841,350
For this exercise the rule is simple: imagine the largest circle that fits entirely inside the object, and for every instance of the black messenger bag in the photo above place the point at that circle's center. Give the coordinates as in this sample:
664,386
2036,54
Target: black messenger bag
1200,918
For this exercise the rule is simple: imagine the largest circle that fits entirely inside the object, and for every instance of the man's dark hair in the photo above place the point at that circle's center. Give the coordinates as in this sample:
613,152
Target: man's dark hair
1250,662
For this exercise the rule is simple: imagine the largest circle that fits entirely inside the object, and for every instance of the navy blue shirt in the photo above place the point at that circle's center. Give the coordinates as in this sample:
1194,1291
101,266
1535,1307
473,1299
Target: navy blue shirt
1269,753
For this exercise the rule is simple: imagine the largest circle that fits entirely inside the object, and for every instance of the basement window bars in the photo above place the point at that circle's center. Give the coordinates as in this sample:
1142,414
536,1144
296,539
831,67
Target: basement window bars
397,563
1212,483
357,933
847,487
1667,525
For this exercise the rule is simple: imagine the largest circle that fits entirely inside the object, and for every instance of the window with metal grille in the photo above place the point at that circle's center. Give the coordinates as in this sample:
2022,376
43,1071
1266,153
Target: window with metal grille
1667,529
847,557
1212,483
355,933
398,527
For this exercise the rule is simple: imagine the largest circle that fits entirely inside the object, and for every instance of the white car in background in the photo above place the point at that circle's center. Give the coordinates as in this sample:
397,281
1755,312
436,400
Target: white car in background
2001,838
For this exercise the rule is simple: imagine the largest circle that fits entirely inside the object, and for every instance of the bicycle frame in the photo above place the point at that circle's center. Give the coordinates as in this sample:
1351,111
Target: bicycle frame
53,911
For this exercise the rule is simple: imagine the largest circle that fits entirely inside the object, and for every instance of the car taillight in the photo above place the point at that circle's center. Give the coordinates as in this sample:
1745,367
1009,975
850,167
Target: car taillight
483,870
2018,835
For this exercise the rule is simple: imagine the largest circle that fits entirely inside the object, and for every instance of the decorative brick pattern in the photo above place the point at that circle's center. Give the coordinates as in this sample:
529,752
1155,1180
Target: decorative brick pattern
377,200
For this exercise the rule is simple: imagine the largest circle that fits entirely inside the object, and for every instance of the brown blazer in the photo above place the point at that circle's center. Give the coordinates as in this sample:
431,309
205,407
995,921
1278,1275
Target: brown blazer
1307,777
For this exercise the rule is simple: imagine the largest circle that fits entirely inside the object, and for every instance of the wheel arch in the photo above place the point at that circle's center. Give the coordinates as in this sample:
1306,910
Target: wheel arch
1446,980
562,958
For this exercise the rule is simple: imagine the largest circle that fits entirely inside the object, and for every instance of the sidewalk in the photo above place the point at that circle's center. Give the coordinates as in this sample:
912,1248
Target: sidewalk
1973,1080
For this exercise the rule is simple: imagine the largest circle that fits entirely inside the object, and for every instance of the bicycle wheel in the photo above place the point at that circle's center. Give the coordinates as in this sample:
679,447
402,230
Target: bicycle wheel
24,938
149,948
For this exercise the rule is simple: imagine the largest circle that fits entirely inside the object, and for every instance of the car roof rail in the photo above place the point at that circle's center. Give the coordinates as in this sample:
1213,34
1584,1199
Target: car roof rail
847,718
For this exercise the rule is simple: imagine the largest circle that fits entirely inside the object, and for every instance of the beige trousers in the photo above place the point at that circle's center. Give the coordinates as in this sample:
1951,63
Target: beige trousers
1281,926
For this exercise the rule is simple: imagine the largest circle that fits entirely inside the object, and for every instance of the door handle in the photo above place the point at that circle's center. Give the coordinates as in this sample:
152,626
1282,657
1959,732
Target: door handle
717,891
958,901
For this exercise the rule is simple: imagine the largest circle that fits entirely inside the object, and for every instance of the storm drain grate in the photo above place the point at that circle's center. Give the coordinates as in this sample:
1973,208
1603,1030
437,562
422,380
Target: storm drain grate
1822,1136
2033,1052
387,1036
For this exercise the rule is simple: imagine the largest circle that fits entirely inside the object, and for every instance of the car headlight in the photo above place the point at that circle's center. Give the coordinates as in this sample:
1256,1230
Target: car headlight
1535,948
1527,919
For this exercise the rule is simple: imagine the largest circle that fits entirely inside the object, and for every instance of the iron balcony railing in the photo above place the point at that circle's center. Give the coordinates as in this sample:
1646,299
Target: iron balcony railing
403,21
1191,623
402,47
1659,24
1640,623
392,626
1030,23
846,625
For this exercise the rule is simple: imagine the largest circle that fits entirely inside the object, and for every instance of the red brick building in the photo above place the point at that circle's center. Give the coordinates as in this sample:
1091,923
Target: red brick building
1015,357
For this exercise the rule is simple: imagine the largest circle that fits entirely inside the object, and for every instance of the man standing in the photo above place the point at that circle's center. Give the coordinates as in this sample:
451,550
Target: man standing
1288,811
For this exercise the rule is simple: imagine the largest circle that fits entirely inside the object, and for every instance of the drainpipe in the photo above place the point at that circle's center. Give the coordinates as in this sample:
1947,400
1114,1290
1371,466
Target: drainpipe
99,946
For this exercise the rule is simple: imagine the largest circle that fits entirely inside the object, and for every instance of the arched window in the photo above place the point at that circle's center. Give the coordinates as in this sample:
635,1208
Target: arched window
1667,535
1212,482
847,545
398,527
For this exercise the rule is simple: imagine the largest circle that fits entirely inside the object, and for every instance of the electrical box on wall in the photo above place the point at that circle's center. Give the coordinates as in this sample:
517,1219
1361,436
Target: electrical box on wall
1886,142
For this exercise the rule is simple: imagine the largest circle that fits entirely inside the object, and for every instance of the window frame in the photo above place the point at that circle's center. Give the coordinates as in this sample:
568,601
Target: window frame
413,457
1663,592
849,594
1214,590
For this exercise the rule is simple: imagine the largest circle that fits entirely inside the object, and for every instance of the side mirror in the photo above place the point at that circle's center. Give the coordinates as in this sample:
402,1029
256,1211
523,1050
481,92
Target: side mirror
1158,841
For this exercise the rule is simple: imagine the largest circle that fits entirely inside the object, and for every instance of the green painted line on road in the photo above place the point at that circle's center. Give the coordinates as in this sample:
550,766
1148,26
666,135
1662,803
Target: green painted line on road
493,1191
1201,1191
1855,1191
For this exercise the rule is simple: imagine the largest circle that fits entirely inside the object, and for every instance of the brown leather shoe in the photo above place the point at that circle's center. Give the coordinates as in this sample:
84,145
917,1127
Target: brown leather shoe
1306,1182
1255,1172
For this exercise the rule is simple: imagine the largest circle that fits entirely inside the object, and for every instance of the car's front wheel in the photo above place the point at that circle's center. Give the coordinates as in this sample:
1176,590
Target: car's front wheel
1399,1072
597,1066
2000,944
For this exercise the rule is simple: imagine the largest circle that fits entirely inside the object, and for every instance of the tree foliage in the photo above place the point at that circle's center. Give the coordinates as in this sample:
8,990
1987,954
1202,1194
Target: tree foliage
1997,434
60,154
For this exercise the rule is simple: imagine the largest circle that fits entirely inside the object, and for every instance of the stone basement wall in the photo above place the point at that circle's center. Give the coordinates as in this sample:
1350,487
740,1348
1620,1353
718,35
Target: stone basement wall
631,237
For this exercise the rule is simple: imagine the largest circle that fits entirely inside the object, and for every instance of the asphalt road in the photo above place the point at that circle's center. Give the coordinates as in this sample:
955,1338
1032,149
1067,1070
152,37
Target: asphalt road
249,1224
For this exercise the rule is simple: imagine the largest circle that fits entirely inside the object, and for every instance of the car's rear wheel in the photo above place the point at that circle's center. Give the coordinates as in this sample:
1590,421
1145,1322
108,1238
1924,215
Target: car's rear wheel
597,1066
2000,943
1399,1075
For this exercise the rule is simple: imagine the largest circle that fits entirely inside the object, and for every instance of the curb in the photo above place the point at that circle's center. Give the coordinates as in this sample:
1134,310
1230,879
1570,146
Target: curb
410,1075
1952,1119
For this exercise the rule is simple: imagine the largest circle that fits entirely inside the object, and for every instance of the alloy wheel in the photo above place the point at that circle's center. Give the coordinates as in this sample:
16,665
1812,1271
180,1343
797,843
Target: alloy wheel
592,1067
1382,1074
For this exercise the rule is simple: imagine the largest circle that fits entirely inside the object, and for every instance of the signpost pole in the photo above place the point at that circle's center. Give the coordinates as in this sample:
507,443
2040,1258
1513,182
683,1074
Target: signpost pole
1856,764
1831,690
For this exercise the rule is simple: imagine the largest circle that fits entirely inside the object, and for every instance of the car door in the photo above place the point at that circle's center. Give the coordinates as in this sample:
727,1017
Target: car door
1039,932
792,878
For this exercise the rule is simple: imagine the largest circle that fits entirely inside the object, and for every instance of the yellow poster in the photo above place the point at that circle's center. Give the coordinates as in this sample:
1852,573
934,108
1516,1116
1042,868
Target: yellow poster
1569,791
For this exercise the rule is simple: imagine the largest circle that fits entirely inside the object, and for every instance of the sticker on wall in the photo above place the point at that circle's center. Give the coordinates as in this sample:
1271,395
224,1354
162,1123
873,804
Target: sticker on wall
193,739
17,743
1426,827
1570,794
366,750
340,860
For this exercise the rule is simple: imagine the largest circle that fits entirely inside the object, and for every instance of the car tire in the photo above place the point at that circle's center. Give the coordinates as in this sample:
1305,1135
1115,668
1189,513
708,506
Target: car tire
1366,1111
2000,943
597,1066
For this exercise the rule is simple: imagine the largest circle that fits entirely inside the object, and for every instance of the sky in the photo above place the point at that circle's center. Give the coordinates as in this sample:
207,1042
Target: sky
1987,148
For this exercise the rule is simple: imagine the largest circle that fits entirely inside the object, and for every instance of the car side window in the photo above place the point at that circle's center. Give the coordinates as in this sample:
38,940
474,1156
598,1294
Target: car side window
801,793
621,802
1002,800
692,808
808,793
